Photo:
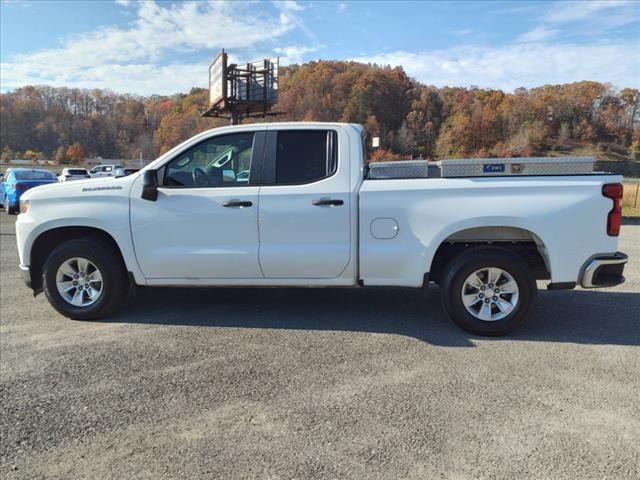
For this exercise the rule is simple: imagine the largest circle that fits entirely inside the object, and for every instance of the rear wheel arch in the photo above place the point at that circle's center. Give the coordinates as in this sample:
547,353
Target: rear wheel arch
49,240
520,241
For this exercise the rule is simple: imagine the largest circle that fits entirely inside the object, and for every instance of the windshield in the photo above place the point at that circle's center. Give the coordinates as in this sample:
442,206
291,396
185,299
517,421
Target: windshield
35,175
77,171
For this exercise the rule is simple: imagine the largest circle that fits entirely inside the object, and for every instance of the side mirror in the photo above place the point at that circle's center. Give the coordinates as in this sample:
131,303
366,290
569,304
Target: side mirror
150,185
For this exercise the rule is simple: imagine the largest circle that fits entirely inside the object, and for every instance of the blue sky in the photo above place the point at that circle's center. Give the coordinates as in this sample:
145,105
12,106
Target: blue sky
165,47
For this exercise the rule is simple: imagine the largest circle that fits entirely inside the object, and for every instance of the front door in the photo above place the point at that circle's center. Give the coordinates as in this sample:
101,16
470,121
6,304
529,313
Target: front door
204,224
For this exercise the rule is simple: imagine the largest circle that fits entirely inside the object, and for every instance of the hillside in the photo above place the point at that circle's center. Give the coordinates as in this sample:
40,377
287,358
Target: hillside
413,120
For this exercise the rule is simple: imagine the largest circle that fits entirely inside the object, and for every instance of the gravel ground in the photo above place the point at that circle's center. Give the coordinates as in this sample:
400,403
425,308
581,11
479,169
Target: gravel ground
280,383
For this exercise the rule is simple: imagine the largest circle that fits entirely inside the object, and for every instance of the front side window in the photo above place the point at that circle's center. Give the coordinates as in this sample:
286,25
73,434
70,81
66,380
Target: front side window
222,161
305,156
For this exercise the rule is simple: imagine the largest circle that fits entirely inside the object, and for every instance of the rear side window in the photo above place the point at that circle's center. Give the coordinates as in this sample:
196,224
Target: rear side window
35,175
305,156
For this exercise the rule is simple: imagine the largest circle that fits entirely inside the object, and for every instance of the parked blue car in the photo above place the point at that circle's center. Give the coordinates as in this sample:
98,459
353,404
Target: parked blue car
19,180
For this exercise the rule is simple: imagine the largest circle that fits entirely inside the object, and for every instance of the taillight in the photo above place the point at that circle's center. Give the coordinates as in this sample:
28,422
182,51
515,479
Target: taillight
20,186
614,192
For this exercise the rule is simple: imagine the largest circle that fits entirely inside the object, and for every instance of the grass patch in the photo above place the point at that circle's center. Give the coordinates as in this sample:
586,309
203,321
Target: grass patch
631,200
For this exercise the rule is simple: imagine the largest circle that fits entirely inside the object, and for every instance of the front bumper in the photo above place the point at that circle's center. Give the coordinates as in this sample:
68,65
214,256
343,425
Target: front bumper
603,270
26,275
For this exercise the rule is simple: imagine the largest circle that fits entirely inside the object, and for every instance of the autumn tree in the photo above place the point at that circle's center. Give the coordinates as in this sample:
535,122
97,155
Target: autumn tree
33,155
75,153
411,119
61,156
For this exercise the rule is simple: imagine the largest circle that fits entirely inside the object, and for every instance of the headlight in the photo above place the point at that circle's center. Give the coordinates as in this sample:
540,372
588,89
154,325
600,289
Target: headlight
24,206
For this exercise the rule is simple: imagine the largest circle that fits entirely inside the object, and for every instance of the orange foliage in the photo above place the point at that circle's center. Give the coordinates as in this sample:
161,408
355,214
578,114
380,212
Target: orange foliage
76,153
411,119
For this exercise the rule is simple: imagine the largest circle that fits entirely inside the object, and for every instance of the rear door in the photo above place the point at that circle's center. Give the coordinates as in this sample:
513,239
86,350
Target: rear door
304,213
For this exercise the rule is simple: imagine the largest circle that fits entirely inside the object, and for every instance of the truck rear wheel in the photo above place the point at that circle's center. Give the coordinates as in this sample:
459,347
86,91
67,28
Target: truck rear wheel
488,291
84,279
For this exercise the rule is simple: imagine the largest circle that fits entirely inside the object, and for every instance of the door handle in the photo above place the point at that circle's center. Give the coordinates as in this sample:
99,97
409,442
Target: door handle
236,203
328,201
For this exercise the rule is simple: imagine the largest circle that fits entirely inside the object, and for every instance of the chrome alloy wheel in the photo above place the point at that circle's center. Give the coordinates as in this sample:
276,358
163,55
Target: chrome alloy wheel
79,282
490,294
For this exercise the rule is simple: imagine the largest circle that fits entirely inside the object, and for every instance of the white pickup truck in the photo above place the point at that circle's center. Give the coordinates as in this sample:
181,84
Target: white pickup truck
291,204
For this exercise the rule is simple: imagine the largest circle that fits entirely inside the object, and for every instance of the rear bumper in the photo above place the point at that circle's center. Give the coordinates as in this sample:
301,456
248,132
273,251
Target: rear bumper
603,270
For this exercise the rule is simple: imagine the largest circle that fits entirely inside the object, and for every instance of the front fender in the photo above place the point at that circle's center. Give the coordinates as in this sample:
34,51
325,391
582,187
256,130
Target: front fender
28,229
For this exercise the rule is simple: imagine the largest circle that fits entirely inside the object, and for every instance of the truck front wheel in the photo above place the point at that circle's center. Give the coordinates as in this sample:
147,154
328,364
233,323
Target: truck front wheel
488,291
84,279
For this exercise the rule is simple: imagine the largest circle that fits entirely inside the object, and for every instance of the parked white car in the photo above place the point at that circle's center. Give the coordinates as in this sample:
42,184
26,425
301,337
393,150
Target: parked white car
103,170
123,172
309,215
69,174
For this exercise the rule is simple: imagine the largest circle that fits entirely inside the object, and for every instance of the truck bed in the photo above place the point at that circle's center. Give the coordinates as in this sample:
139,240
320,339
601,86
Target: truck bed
565,216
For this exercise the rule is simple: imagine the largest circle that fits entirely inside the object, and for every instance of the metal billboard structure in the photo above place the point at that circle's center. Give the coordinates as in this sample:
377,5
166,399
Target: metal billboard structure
241,91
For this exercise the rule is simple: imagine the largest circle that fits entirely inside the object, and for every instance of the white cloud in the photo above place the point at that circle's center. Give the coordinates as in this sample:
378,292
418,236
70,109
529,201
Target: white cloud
464,31
92,59
519,65
142,78
289,5
293,54
537,34
289,13
574,19
123,3
341,7
571,11
16,3
591,18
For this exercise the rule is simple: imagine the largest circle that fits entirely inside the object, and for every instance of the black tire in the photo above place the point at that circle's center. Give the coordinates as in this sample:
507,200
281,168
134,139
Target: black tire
462,266
103,256
11,210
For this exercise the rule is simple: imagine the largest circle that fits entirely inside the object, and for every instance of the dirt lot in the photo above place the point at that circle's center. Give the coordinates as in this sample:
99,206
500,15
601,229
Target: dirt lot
278,383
